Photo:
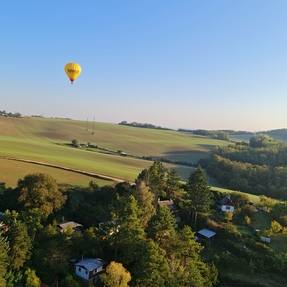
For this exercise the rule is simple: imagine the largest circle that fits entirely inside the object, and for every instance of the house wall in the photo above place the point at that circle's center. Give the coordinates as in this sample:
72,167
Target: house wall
82,272
227,208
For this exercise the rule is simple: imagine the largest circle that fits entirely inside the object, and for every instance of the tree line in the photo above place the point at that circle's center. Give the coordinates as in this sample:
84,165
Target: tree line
9,114
142,125
259,167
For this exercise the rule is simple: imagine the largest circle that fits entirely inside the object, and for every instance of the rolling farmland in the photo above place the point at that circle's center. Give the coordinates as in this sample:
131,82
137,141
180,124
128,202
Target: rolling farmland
45,140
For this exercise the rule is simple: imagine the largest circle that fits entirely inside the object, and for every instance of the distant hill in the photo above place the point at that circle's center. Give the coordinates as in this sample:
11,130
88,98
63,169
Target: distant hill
47,140
278,134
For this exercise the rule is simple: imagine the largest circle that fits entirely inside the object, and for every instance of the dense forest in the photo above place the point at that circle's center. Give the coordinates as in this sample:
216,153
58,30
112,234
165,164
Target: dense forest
142,241
123,225
259,167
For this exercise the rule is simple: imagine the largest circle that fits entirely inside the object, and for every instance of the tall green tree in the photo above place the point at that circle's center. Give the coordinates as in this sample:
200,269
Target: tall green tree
162,227
4,260
130,231
199,197
187,266
39,193
20,244
152,267
155,178
146,201
116,275
32,280
173,185
52,257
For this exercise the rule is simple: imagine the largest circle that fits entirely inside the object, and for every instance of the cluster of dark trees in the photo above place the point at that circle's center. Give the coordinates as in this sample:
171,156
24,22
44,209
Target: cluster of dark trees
259,167
123,225
9,114
142,125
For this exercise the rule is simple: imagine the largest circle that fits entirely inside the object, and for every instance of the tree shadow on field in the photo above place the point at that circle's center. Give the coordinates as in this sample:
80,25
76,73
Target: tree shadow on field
185,157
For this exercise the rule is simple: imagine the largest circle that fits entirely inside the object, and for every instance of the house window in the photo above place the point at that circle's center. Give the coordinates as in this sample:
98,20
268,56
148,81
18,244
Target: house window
79,269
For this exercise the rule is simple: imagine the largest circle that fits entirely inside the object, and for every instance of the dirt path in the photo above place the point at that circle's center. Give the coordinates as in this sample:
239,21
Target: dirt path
91,174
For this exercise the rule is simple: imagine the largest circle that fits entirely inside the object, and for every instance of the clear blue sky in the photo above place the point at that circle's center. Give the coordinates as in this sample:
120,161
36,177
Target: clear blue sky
192,64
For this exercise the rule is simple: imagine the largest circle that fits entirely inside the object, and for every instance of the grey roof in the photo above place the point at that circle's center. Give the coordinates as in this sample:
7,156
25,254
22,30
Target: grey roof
69,224
167,203
90,264
226,201
206,233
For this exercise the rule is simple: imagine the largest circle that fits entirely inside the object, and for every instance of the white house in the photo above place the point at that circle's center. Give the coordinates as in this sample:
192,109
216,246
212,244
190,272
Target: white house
265,239
226,204
89,268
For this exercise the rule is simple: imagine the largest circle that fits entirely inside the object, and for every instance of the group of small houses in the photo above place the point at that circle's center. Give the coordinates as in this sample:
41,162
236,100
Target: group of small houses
88,269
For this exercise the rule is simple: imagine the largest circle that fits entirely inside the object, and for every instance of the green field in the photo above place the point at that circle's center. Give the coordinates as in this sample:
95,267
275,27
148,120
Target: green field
8,169
43,140
253,198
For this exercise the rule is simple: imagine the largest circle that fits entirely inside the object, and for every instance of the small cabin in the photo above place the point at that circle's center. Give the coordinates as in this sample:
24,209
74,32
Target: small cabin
167,203
70,225
205,235
226,204
89,268
265,239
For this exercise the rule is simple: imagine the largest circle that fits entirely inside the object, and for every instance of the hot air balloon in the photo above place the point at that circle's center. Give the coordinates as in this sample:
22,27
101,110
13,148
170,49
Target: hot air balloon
73,71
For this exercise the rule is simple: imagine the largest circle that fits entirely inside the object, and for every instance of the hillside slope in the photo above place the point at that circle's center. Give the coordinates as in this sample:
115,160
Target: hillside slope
136,141
44,140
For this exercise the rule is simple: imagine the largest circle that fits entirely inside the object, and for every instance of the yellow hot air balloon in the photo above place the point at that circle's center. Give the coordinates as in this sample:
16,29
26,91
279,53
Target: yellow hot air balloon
73,71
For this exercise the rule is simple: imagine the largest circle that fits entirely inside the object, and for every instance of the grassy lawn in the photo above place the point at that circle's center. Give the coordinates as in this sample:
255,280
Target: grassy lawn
252,279
112,165
253,198
137,141
260,220
279,242
11,171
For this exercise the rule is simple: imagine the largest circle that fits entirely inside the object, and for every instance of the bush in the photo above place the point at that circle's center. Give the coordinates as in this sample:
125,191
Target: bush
75,143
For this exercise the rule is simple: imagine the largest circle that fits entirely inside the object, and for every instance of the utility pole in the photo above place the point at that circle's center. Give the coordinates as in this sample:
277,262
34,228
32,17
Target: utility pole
87,124
93,130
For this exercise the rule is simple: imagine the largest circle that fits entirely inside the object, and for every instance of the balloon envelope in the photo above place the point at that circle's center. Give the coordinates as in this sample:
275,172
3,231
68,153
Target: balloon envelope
73,71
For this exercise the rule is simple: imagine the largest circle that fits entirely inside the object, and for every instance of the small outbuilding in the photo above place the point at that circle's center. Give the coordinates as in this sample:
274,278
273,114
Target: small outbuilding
89,268
226,204
167,203
205,235
265,239
70,225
